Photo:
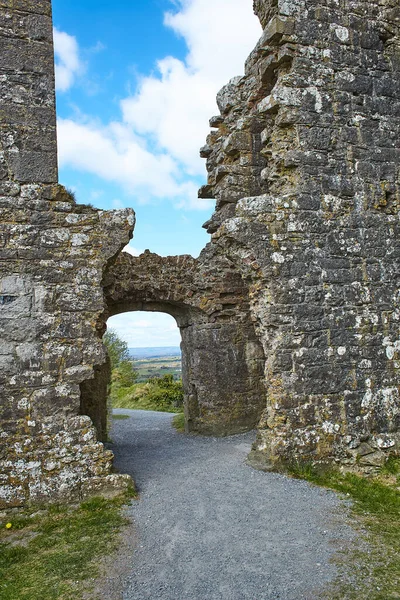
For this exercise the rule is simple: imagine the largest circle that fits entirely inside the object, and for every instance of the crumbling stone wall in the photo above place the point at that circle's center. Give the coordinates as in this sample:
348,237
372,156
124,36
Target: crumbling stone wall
53,256
314,125
222,359
28,151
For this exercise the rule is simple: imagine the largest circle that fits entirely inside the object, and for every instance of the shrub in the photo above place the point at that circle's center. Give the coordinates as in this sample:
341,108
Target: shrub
165,392
124,376
117,349
159,393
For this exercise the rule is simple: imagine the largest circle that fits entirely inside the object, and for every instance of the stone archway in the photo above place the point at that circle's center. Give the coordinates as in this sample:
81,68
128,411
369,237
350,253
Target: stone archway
222,360
186,318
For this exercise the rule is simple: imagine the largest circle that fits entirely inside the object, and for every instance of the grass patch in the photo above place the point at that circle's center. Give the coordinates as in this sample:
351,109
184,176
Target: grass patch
120,417
51,554
179,422
373,572
158,394
139,402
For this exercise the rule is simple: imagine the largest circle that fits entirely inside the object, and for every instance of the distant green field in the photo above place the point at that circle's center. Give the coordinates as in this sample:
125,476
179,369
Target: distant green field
156,367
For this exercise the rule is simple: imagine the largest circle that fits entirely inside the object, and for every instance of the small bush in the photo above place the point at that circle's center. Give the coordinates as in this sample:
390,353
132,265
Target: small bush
71,193
165,392
118,350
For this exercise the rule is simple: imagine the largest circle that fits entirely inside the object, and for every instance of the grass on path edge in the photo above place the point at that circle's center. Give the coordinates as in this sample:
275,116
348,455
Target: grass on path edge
179,422
372,569
54,553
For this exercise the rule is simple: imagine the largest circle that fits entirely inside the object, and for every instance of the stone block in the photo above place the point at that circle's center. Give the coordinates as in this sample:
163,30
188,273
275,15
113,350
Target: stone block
33,166
26,26
110,487
23,55
276,28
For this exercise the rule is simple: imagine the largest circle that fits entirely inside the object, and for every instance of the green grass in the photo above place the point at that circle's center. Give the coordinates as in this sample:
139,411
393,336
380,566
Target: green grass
136,401
179,422
120,417
53,554
392,467
372,572
143,396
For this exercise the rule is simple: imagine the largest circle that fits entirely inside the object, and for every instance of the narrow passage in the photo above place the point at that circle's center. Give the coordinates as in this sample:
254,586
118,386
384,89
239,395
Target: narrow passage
209,527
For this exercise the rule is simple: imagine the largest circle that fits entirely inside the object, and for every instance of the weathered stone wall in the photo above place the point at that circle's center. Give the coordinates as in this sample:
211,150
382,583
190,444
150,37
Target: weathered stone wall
53,256
28,145
315,124
222,359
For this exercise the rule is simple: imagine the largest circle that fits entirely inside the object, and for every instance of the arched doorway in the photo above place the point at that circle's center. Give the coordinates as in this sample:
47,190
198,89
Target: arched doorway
145,352
187,320
222,359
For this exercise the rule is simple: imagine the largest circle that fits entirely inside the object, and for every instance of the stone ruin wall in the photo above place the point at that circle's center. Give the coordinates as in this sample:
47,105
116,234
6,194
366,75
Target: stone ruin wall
222,359
289,314
304,164
53,256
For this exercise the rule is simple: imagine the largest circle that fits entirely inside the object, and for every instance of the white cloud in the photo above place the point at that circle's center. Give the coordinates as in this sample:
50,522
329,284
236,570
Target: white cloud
153,151
67,62
190,201
174,109
219,34
175,105
114,153
146,329
132,250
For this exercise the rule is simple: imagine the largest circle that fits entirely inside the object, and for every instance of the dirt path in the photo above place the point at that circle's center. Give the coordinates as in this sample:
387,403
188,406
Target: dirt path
209,527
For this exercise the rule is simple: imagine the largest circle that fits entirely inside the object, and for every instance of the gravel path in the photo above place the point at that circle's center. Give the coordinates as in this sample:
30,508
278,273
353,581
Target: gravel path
209,527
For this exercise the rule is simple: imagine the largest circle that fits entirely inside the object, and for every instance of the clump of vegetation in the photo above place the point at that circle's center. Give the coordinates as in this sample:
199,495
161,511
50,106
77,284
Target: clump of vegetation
162,393
158,393
123,372
71,194
165,392
120,417
373,572
179,422
54,553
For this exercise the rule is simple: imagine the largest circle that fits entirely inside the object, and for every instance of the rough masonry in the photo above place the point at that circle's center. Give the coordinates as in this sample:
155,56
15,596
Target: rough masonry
289,317
53,257
304,164
222,358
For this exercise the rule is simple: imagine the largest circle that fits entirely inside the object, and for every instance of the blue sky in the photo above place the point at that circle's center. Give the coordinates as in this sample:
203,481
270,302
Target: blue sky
136,85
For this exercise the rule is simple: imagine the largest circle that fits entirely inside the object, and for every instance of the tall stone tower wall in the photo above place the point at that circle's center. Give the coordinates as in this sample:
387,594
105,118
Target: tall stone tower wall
304,164
27,115
53,256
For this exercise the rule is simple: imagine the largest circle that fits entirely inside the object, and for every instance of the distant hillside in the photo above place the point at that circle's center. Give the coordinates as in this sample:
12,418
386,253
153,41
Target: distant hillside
154,352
